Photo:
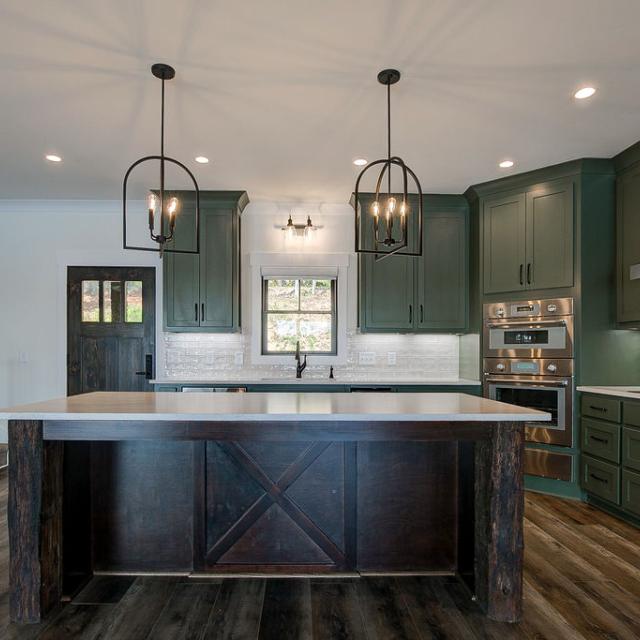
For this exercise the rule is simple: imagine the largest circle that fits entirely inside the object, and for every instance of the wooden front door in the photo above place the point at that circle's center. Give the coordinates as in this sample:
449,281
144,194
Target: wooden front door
110,328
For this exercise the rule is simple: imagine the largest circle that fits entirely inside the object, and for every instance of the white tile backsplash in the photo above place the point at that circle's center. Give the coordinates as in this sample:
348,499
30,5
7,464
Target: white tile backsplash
214,356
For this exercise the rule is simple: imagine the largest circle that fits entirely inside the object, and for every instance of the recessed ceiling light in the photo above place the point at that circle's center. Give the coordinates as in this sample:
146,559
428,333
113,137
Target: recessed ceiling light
360,162
585,92
52,157
202,159
506,164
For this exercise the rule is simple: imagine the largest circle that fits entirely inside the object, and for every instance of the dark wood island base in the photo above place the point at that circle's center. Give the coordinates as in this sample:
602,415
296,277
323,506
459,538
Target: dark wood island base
271,497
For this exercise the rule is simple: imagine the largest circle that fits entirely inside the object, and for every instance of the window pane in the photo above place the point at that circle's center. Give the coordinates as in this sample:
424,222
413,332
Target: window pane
90,301
285,329
133,301
111,301
315,295
282,295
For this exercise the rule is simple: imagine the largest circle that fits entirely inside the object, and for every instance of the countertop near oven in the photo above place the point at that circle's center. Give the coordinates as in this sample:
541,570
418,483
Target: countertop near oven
620,392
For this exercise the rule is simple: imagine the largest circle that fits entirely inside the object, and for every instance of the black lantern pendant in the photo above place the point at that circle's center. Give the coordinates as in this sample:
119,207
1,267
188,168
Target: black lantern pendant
157,200
389,212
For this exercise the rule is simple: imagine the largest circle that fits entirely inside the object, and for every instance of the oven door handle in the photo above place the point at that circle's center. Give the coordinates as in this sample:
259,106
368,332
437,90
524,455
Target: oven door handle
531,323
535,385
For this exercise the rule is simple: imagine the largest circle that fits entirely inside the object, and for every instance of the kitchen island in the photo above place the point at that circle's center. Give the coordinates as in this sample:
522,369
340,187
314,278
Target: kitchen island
266,484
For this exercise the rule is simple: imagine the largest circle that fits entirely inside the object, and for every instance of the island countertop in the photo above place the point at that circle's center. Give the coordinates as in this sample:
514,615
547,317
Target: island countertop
280,407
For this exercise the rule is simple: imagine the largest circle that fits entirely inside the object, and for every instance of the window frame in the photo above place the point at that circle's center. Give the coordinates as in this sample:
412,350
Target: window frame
265,312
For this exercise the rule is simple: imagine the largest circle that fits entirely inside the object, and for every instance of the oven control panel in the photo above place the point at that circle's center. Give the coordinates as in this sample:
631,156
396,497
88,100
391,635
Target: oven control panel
528,367
529,309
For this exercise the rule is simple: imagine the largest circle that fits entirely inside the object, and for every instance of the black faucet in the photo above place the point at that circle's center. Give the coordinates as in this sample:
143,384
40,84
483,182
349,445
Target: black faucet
300,367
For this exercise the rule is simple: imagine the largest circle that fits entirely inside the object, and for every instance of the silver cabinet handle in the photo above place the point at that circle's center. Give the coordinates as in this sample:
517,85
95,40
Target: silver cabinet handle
532,324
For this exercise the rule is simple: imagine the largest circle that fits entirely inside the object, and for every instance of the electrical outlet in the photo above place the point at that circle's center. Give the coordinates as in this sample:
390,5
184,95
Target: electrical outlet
391,358
23,357
238,358
366,357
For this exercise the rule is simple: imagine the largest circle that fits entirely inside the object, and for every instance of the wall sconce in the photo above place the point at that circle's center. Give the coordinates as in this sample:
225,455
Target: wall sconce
305,230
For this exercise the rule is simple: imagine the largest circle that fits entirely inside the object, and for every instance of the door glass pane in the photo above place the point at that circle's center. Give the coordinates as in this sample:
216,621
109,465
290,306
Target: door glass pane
90,301
315,295
133,301
282,295
111,301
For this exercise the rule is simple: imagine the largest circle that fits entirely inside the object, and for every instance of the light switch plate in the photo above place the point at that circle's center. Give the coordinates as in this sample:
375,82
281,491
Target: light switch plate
367,357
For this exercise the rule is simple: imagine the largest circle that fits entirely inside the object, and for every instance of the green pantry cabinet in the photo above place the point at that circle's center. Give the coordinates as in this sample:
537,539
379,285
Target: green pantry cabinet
628,233
202,292
423,294
610,444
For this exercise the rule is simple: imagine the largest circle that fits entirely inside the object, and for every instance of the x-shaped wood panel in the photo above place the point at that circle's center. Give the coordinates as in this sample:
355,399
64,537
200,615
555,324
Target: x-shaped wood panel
275,493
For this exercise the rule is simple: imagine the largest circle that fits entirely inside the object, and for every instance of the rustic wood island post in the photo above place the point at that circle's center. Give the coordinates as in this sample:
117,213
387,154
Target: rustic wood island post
34,516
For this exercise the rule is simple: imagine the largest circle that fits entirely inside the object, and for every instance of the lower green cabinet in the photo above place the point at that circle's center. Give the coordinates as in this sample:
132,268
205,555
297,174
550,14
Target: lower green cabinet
631,448
631,491
421,294
202,292
601,439
601,479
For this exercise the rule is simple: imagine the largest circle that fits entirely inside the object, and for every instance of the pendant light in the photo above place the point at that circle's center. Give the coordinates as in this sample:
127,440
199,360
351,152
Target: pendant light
163,209
389,213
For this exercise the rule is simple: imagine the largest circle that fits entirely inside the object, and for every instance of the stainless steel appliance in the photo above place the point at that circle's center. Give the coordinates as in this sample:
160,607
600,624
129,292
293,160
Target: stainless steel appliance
528,361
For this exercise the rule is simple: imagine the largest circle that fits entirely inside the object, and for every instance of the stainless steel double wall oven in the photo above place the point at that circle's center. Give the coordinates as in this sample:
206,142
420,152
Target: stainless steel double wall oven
528,353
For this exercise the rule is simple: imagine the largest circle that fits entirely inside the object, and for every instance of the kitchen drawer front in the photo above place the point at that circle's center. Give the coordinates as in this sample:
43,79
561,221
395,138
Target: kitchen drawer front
601,408
631,413
631,491
631,448
601,439
600,479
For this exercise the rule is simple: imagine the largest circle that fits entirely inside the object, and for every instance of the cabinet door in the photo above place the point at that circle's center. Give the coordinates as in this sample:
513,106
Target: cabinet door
504,225
550,237
387,293
182,278
218,266
628,247
442,272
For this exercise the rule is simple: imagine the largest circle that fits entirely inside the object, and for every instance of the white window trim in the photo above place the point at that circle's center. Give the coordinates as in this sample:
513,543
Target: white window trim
296,265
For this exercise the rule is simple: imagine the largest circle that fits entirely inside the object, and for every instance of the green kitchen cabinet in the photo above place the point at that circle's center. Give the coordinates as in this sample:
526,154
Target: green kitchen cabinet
628,246
442,285
419,294
504,240
202,292
528,239
549,225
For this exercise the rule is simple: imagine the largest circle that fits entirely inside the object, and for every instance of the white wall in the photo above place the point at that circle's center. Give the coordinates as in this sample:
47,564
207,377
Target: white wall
39,239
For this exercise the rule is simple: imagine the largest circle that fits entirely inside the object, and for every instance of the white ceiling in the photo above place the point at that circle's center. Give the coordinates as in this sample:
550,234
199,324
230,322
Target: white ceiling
282,94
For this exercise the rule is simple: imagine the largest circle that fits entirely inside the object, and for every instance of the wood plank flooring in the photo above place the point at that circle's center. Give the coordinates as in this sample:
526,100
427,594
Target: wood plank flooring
582,580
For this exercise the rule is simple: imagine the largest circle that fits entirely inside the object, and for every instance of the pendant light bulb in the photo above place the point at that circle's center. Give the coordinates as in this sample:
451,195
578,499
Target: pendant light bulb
375,208
152,203
391,205
308,230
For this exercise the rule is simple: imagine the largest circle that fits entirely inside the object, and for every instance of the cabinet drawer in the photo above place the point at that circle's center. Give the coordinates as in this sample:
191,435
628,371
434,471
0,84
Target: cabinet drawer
166,388
631,491
631,448
601,479
601,407
601,439
631,413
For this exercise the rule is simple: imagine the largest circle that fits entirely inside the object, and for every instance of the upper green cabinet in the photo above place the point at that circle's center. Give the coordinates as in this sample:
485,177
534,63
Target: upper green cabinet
202,292
422,294
628,246
528,239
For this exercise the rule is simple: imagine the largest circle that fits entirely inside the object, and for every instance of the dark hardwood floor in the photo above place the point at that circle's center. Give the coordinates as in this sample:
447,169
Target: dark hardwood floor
582,580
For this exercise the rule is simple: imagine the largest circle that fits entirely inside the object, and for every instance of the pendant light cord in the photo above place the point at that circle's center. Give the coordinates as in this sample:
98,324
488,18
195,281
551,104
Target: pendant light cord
162,158
389,135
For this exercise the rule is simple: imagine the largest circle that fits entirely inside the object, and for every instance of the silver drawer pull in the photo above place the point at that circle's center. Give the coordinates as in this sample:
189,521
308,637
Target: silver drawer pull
531,324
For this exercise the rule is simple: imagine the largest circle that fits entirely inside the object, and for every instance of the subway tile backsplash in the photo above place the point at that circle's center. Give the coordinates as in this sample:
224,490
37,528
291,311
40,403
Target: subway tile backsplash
222,356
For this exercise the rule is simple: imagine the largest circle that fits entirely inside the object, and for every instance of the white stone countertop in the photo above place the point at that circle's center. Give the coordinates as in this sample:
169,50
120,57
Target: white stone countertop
316,381
276,406
620,392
